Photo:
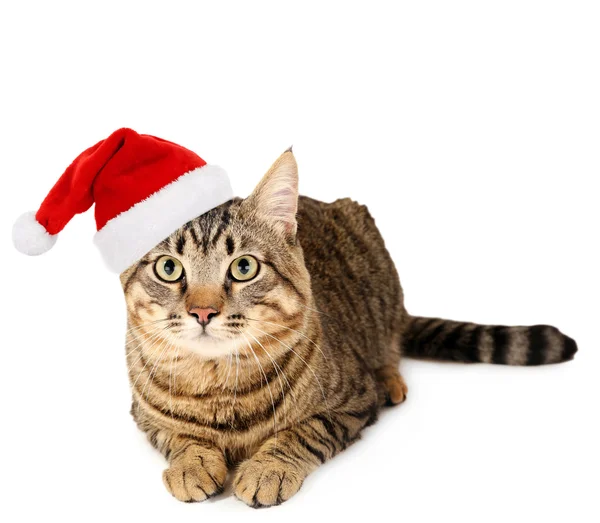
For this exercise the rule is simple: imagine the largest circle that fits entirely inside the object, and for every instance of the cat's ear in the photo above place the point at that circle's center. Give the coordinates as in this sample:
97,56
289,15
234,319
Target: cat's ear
276,196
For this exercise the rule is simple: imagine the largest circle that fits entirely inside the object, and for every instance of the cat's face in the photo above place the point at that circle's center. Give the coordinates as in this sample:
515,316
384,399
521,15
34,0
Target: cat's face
230,277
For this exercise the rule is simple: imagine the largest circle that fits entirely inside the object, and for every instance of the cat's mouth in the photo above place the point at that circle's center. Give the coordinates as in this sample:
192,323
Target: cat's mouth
212,345
206,335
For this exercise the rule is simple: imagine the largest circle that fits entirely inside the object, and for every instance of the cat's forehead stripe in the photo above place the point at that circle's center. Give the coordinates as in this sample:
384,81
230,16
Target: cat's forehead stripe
230,245
180,243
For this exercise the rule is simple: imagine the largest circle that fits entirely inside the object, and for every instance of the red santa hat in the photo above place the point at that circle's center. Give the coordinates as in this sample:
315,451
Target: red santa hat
144,189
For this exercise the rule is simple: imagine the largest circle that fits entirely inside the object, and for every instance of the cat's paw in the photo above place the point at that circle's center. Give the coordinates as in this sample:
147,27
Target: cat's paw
196,475
392,382
265,481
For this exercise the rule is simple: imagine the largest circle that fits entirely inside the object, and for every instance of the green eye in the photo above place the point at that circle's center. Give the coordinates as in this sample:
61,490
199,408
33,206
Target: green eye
168,269
244,268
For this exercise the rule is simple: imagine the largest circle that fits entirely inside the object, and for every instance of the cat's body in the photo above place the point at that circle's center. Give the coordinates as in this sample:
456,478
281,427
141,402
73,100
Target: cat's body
293,363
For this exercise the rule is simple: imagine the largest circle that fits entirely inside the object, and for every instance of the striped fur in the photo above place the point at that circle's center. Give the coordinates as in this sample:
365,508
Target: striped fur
299,359
434,338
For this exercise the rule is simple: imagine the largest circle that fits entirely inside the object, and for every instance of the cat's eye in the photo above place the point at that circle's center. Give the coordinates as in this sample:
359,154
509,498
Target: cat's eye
168,269
244,268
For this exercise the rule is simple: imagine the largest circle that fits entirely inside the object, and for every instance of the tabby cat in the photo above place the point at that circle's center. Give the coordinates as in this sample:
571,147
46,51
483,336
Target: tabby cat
267,333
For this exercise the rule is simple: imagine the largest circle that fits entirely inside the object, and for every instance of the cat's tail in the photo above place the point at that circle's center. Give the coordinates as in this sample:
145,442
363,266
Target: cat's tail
438,339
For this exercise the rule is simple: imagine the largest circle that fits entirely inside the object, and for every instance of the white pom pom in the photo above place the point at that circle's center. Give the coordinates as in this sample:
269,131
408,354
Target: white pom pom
30,237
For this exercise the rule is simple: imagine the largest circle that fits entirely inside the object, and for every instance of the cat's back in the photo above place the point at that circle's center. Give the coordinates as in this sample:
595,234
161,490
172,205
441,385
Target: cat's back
354,279
344,224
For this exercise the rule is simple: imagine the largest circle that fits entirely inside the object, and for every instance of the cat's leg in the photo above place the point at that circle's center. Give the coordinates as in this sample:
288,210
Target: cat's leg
197,469
391,384
276,471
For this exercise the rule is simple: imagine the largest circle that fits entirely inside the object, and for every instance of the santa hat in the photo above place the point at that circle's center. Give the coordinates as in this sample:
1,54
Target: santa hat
144,189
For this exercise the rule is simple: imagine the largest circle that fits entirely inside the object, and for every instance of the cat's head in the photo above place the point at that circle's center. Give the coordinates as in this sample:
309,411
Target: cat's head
232,277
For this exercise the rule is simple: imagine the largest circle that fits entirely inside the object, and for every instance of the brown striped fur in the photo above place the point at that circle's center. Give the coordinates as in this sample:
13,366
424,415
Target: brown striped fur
298,360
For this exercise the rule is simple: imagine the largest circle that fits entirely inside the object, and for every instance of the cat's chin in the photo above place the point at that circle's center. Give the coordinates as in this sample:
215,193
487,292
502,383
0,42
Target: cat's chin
210,347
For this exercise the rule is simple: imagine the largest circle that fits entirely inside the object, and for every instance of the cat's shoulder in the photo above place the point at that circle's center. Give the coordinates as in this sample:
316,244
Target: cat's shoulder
344,207
317,219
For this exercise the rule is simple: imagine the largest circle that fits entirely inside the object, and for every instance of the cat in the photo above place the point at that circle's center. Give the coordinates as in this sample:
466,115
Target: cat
267,333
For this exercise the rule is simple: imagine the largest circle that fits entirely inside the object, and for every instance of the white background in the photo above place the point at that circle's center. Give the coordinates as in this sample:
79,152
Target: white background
471,131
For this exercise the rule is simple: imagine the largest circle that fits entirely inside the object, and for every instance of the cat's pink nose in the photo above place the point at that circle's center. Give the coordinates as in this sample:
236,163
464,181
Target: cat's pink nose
203,315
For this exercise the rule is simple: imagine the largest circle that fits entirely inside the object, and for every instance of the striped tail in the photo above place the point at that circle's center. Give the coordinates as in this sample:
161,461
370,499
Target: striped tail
433,338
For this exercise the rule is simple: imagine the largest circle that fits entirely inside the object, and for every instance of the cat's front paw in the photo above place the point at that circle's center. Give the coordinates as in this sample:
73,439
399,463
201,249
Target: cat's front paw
265,481
196,475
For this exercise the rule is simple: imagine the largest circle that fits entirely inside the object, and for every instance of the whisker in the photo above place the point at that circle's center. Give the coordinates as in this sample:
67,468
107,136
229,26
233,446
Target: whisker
267,383
237,370
154,368
290,329
172,377
141,325
278,377
305,363
139,332
295,403
228,371
155,337
134,333
156,344
144,337
151,340
307,307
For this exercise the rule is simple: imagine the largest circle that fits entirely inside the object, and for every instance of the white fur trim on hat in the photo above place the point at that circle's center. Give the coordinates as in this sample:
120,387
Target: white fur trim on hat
130,235
30,237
